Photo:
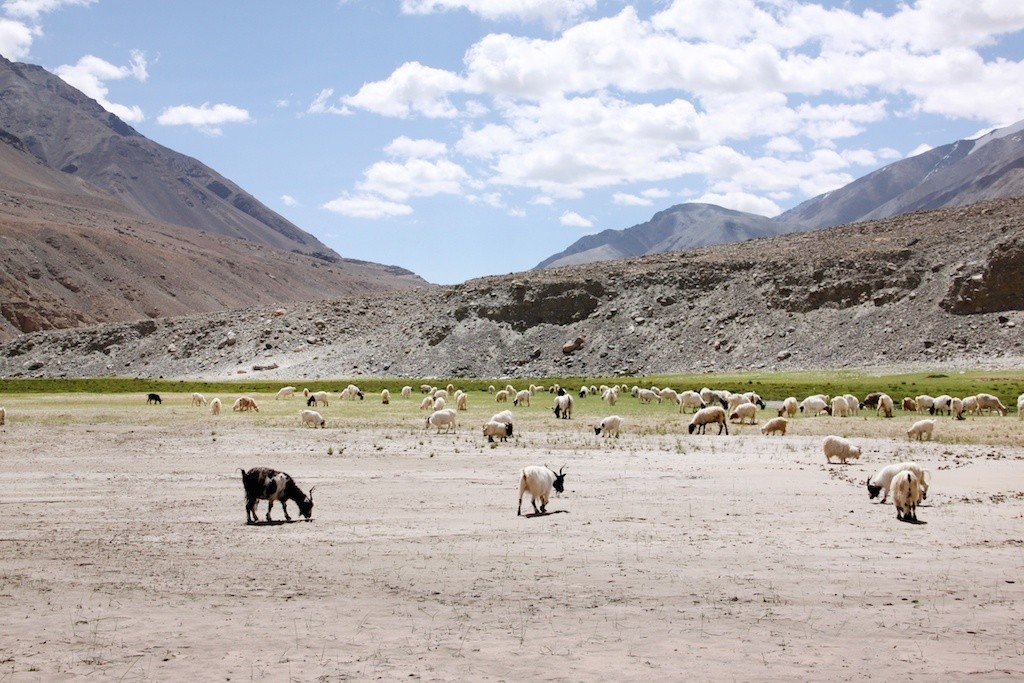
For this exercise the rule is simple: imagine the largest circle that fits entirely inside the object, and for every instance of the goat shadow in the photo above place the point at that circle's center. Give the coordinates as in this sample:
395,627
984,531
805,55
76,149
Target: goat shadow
276,522
913,521
545,514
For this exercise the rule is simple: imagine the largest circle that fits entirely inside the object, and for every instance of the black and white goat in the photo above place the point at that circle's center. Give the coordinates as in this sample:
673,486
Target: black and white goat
264,483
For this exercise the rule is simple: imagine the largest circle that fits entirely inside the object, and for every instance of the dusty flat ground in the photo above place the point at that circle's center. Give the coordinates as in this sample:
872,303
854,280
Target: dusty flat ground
124,554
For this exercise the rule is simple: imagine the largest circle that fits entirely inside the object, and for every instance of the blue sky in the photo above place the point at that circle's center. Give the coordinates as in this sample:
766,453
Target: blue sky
460,138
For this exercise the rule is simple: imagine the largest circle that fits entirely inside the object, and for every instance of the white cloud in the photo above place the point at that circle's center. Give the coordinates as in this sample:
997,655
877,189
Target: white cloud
320,104
289,200
15,39
742,201
367,206
408,148
413,178
551,12
411,89
205,118
91,73
645,198
32,9
574,220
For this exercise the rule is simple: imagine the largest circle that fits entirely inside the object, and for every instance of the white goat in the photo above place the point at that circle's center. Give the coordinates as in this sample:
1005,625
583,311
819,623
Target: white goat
920,429
522,397
539,480
776,425
744,411
198,399
880,481
311,418
443,418
691,399
906,494
493,428
839,448
215,406
284,392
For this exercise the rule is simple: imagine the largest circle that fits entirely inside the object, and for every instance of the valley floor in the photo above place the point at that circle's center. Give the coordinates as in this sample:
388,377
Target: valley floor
124,554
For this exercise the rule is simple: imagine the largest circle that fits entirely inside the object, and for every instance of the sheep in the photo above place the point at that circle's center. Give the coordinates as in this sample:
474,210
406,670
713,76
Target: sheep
789,407
925,403
563,406
669,395
426,388
450,388
461,401
153,398
610,426
264,483
439,403
198,399
691,399
311,418
427,403
880,481
244,403
871,400
285,392
839,448
971,405
989,402
956,408
906,494
744,411
839,406
852,404
522,397
1020,407
815,405
501,396
646,396
941,405
406,391
921,428
490,389
504,416
710,415
318,398
908,404
753,397
3,416
493,428
735,400
510,389
611,396
305,393
385,397
439,393
350,393
446,417
539,480
776,425
584,390
215,406
884,405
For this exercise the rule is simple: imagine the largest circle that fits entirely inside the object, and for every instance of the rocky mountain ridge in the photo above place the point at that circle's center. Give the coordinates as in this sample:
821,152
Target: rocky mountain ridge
926,289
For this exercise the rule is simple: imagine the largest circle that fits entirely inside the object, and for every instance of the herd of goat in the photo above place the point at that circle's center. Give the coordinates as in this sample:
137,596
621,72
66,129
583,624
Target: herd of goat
905,482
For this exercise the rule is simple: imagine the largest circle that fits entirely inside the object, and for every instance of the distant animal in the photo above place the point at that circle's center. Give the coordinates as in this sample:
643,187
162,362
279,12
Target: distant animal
3,416
494,428
153,398
312,418
198,399
563,406
906,495
285,392
539,480
839,448
243,403
215,406
705,416
610,426
265,483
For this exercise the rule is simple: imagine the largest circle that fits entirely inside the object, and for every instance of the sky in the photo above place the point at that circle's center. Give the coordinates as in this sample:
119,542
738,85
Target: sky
462,138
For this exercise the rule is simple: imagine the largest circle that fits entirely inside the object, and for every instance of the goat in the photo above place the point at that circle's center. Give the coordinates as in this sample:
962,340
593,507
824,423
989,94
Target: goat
539,481
265,483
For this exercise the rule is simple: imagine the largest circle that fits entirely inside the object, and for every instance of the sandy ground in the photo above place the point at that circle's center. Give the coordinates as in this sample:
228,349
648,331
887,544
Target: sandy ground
124,554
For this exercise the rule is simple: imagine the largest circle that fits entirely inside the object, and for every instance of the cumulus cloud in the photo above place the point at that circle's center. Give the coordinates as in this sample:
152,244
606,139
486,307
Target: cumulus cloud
289,200
367,206
748,101
413,178
90,75
552,12
15,39
206,118
574,220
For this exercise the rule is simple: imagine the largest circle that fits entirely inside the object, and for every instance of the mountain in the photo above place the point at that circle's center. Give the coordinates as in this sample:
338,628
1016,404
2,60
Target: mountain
99,224
938,289
682,227
956,174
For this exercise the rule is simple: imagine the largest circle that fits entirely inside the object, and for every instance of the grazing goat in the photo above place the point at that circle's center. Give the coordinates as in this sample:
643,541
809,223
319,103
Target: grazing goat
563,406
493,428
839,448
153,398
539,481
610,426
284,392
215,406
705,416
906,494
312,418
244,403
882,479
264,483
198,399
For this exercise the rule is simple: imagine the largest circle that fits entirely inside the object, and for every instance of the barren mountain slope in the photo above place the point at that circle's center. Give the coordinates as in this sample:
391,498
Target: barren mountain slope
927,289
67,262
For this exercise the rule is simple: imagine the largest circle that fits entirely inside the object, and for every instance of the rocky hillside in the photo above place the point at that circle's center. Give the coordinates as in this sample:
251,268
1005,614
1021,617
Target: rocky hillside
924,289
